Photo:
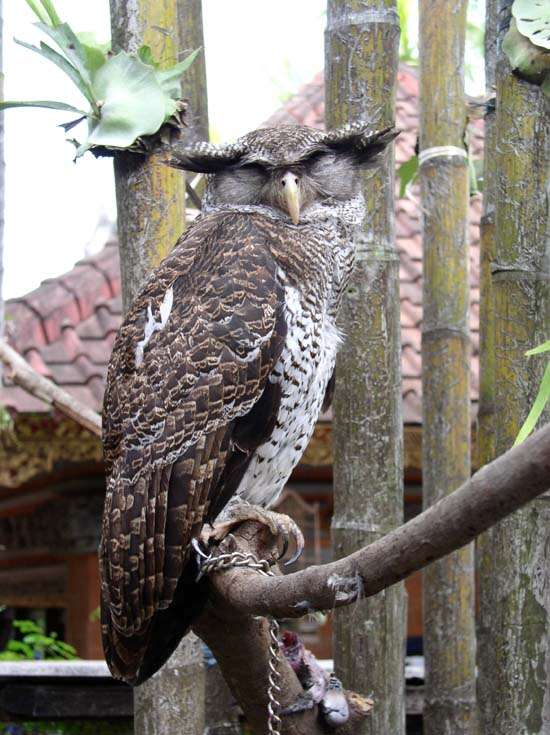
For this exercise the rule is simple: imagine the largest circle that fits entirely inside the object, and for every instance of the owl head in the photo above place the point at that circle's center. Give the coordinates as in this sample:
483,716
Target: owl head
287,169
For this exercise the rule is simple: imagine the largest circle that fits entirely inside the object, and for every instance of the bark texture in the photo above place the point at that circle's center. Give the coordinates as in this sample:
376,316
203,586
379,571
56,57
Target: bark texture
448,603
362,42
151,217
515,668
486,406
150,195
240,643
497,490
193,86
171,702
2,176
240,640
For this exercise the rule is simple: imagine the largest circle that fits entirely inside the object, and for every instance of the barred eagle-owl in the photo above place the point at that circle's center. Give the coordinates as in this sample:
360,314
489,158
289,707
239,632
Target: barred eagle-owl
220,369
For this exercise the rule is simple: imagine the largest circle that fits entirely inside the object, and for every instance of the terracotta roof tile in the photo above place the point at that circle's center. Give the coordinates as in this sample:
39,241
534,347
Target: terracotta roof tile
66,327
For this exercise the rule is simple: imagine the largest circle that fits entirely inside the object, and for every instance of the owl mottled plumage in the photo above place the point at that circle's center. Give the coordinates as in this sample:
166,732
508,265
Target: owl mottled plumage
219,370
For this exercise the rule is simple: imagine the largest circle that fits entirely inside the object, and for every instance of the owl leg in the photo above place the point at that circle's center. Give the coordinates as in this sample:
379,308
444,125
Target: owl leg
238,511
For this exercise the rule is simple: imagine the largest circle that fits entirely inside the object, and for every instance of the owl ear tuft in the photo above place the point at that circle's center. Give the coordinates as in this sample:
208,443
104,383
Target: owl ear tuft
360,141
204,158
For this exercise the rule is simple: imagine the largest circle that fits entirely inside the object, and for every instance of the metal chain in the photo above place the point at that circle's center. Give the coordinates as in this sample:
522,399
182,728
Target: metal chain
216,563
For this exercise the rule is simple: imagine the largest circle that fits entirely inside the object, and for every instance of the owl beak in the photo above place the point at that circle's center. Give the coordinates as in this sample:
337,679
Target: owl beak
291,193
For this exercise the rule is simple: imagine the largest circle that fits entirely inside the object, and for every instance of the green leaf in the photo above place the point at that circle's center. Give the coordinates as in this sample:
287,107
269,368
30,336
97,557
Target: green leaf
65,648
533,20
95,53
48,53
11,656
146,55
27,626
49,104
538,407
170,78
52,14
68,42
132,103
544,347
21,648
72,123
40,14
407,173
531,61
38,639
94,59
90,39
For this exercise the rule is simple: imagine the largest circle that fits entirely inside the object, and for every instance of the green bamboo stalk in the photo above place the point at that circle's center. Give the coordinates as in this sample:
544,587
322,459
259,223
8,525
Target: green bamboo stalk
150,195
151,217
2,176
448,604
362,41
486,409
194,81
514,690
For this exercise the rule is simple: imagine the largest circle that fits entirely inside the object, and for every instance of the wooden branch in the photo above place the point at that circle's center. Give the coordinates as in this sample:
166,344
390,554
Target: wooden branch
27,378
240,641
498,489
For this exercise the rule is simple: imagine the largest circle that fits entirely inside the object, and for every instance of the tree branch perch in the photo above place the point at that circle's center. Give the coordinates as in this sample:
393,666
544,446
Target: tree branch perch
498,489
240,642
46,390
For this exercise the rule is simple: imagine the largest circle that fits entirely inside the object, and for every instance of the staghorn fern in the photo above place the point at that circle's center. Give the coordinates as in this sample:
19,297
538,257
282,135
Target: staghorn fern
527,42
128,96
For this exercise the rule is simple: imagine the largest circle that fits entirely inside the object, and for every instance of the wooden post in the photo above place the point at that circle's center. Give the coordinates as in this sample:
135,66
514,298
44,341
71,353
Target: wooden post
193,86
362,41
486,408
151,217
83,630
172,701
2,177
150,195
448,601
514,671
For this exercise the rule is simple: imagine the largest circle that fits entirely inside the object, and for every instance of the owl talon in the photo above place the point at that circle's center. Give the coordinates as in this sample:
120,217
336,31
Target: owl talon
280,526
297,554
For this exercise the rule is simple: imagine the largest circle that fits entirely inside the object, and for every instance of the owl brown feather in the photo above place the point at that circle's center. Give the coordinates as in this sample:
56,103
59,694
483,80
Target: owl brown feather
218,373
176,444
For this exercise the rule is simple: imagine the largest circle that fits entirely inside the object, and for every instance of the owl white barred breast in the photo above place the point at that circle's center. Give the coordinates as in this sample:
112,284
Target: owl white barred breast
219,371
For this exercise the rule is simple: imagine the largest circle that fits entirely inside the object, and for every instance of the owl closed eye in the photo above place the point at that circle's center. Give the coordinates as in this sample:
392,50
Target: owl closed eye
286,169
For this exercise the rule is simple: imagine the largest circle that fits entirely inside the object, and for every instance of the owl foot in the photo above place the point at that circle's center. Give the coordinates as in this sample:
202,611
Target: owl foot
279,525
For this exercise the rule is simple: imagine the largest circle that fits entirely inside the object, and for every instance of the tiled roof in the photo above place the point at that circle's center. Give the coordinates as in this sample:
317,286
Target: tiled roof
65,328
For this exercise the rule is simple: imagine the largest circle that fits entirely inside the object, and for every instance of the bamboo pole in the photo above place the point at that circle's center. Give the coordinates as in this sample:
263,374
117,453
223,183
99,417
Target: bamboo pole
514,691
486,408
448,589
362,41
2,176
150,195
194,87
151,217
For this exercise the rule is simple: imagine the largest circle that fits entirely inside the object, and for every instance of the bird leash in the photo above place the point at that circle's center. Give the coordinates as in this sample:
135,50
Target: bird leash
218,562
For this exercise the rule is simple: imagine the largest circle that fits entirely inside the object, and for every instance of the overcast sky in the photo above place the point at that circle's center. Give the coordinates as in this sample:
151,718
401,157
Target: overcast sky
257,53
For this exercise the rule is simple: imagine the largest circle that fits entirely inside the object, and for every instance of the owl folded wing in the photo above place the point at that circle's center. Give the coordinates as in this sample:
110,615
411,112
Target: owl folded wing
187,402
